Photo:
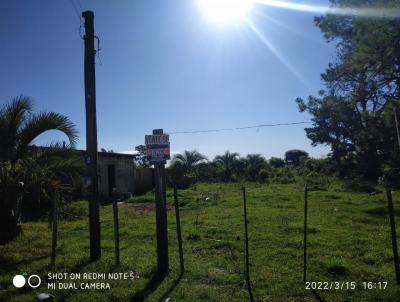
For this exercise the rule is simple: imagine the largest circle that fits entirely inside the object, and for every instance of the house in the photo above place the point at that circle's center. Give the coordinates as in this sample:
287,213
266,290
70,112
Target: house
116,172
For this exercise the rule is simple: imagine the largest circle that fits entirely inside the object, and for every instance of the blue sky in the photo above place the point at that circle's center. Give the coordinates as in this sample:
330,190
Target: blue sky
165,66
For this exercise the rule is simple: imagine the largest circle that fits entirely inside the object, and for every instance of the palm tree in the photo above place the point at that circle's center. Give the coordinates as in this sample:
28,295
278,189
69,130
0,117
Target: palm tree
227,162
19,127
187,161
255,162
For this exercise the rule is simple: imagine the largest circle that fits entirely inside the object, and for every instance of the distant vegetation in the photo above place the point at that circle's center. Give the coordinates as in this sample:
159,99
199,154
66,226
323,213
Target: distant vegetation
192,166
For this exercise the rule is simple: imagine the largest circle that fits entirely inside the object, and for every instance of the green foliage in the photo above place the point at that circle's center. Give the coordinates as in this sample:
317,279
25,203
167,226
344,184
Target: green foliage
141,158
276,162
227,162
183,169
354,116
44,172
263,176
283,175
295,157
254,164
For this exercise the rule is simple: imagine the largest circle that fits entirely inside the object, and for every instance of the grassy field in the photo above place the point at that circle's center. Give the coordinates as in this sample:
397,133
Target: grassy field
349,240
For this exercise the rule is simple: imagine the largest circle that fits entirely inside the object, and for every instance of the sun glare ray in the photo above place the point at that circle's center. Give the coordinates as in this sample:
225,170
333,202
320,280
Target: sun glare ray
276,53
346,11
287,27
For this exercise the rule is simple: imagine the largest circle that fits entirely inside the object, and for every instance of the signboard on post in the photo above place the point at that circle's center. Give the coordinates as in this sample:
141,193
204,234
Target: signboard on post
157,146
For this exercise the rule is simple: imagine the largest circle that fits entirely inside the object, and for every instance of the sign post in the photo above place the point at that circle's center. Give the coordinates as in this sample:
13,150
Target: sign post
158,151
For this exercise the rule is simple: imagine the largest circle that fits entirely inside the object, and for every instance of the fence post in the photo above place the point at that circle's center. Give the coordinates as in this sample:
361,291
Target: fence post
116,231
54,228
305,234
246,247
393,233
178,230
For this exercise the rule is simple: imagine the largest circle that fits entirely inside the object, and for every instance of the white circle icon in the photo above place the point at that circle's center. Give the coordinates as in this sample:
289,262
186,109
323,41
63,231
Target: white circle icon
38,281
19,281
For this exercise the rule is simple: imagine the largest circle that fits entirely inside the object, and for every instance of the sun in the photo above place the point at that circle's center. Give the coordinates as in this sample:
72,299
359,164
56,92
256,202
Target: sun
225,11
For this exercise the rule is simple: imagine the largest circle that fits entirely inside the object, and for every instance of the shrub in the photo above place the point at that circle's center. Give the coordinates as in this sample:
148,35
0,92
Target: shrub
263,176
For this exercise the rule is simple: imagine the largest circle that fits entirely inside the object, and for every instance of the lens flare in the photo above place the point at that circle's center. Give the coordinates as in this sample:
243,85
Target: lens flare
225,11
372,12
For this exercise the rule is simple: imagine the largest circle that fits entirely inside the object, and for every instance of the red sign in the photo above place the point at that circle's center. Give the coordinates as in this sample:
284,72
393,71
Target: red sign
157,146
159,152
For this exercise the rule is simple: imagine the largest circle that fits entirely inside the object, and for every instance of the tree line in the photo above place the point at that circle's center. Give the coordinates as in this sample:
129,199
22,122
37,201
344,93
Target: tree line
191,166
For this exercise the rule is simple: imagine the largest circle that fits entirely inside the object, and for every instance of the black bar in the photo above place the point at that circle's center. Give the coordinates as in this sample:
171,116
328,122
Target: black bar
393,233
178,230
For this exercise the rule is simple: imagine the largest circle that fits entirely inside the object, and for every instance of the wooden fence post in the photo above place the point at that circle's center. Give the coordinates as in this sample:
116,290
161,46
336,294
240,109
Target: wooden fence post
54,229
178,230
305,234
393,234
246,247
116,231
161,220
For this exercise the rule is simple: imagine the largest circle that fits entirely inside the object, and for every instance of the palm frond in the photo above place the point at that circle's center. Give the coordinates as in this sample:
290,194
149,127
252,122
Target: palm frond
45,121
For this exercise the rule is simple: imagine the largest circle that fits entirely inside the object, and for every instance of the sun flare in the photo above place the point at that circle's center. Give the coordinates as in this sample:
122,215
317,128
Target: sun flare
225,11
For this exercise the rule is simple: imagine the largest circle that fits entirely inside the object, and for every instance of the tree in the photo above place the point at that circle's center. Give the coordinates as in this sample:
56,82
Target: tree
141,158
184,164
295,157
227,162
276,162
18,129
255,162
363,88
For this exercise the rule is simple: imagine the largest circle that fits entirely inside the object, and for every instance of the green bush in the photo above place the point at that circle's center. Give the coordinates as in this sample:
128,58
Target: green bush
263,176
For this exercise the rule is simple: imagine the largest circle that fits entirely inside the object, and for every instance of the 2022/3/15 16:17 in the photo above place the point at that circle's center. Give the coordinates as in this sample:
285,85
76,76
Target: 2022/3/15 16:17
345,285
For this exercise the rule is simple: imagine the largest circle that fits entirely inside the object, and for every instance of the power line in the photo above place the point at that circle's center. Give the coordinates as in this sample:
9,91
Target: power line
76,10
239,128
79,4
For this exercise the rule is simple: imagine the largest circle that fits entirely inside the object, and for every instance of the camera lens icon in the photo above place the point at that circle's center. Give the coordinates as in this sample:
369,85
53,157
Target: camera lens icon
33,281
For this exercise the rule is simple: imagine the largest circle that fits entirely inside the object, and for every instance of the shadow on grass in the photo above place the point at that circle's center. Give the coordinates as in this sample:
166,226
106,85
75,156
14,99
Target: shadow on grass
8,266
382,212
150,287
317,296
171,288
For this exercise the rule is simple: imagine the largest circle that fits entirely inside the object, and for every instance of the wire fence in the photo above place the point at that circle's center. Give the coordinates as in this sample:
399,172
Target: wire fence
289,226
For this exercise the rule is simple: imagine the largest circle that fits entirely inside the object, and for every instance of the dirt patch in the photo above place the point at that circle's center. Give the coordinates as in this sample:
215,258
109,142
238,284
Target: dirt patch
143,207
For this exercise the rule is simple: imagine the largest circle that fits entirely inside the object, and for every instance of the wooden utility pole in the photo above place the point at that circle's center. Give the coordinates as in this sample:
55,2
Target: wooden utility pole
91,136
161,219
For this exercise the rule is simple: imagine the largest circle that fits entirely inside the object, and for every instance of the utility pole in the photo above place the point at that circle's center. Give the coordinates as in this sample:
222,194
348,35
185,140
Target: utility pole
91,136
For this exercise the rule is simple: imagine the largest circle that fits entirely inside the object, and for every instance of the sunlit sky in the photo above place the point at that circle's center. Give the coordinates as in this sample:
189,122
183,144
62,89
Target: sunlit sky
166,64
